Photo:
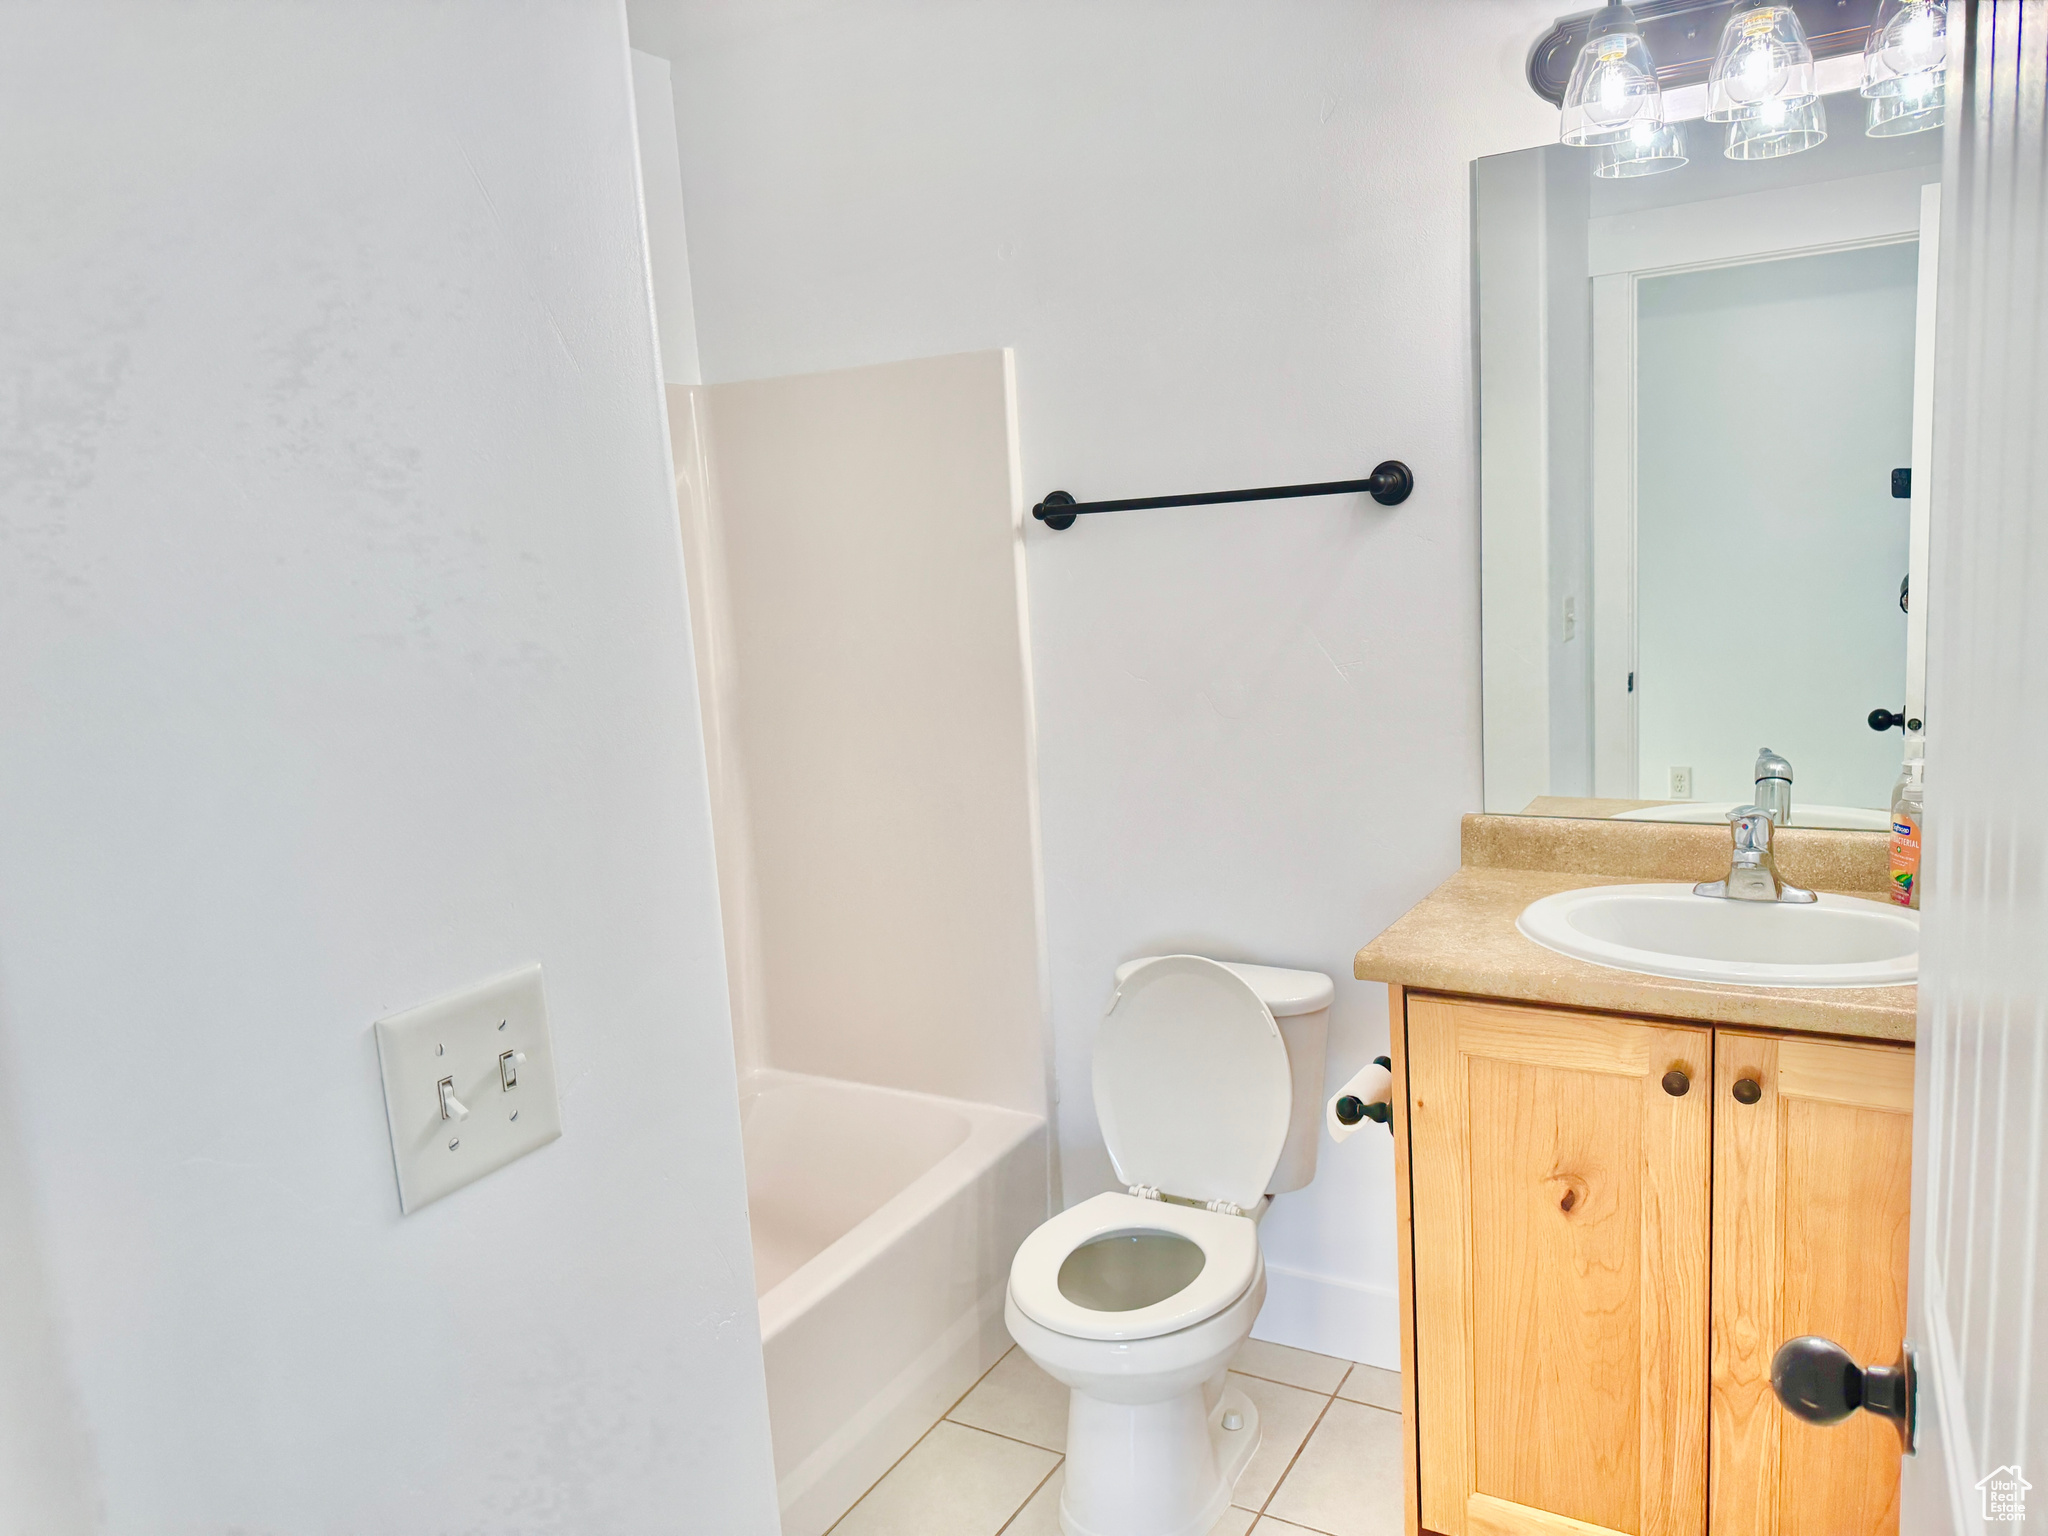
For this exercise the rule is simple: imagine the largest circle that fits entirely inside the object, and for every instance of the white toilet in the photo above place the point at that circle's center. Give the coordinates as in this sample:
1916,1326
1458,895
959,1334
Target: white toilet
1208,1086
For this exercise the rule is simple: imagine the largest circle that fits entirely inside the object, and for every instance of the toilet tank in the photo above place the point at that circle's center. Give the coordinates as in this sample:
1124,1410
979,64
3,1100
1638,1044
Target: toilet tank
1300,1004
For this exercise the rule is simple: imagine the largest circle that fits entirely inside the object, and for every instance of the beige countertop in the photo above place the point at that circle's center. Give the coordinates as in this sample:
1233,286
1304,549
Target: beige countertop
1462,936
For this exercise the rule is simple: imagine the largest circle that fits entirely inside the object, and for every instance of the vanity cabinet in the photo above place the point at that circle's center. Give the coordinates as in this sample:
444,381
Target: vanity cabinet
1612,1224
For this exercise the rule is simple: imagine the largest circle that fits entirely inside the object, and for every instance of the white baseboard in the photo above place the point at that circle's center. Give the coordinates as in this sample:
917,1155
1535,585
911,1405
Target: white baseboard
833,1477
1331,1317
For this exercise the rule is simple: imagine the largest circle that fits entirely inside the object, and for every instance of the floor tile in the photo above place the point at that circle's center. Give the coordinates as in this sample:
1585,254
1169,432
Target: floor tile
1019,1400
1347,1481
1370,1384
1041,1517
956,1481
1268,1526
1295,1367
1286,1414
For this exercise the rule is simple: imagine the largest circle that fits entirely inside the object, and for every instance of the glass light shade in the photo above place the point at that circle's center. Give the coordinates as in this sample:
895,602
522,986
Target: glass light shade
1645,152
1907,48
1763,59
1778,130
1891,116
1613,90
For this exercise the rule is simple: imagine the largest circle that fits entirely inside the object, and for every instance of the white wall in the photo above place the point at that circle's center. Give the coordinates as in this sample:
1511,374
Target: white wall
344,659
1229,244
1773,401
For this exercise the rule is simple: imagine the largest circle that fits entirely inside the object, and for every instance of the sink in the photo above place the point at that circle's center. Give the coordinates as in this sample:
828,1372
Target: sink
1855,818
1665,930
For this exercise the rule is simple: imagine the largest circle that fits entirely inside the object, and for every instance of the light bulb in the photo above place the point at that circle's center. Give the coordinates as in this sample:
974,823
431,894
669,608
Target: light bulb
1610,101
1908,42
1613,85
1757,75
1914,41
1763,58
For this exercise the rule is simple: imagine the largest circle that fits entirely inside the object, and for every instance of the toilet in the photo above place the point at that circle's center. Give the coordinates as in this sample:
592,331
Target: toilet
1208,1087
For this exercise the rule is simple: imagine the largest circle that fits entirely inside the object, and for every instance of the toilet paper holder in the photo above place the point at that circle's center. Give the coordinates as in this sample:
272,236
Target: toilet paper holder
1369,1095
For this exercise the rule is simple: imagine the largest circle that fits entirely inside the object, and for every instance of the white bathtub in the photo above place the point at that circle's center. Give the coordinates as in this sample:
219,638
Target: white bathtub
884,1223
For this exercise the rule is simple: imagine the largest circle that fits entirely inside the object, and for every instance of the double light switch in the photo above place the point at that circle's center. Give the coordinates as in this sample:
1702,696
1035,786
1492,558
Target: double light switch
469,1085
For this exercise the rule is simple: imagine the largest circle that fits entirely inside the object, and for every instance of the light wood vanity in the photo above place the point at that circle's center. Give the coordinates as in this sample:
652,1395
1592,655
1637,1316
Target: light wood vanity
1619,1194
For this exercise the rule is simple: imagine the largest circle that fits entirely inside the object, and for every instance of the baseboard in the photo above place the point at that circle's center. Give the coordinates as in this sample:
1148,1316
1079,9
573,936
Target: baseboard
832,1479
1331,1317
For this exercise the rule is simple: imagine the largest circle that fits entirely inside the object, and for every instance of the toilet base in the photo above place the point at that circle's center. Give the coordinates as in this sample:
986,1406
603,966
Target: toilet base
1154,1469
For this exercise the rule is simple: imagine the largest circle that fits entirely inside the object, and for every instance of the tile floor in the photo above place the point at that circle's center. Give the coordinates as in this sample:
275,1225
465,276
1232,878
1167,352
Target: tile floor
1329,1458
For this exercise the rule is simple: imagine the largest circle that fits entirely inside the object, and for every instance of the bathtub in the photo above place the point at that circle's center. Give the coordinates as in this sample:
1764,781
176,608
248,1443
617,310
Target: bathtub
884,1223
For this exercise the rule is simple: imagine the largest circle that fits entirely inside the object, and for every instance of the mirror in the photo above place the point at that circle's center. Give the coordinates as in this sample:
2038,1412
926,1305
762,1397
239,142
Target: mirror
1704,402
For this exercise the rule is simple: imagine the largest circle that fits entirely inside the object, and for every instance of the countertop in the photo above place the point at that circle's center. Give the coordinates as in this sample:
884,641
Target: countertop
1462,936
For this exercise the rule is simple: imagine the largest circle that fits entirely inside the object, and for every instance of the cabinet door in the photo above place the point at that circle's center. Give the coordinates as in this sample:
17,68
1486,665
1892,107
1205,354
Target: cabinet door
1812,1186
1560,1228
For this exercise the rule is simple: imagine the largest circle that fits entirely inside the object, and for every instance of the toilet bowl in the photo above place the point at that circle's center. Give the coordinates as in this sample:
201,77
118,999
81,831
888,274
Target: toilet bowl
1136,1301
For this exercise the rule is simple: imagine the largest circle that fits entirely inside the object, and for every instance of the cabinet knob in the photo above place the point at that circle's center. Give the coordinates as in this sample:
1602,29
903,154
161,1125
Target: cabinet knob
1676,1083
1747,1091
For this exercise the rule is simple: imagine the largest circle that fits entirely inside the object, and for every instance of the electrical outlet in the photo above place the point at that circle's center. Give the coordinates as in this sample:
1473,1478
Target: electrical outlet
469,1085
1571,617
1681,783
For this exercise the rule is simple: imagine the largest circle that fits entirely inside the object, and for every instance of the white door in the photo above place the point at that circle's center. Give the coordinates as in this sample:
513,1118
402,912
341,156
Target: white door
1978,1312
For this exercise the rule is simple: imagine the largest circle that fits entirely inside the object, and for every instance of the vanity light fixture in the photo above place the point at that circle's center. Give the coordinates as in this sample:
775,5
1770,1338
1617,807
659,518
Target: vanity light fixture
1777,131
1905,67
1645,152
1613,93
1764,65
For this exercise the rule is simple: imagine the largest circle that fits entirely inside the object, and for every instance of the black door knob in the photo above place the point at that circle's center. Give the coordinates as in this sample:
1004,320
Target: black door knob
1746,1090
1885,720
1817,1381
1676,1082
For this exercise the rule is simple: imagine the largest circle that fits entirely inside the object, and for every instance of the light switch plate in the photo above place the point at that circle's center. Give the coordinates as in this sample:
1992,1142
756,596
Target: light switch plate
468,1040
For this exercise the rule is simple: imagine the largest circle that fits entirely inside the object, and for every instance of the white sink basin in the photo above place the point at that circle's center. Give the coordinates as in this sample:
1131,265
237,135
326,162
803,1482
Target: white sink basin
1665,930
1855,818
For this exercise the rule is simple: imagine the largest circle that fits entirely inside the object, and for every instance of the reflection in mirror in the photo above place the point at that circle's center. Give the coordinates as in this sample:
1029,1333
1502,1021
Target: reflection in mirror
1704,406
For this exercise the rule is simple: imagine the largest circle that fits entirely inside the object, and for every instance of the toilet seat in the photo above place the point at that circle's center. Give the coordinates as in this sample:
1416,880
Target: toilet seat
1230,1263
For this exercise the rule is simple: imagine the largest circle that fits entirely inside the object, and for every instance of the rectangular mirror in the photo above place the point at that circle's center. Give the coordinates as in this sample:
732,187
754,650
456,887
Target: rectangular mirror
1704,402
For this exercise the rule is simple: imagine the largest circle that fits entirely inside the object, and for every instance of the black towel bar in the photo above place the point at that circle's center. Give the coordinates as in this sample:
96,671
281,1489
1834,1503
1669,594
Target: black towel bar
1388,484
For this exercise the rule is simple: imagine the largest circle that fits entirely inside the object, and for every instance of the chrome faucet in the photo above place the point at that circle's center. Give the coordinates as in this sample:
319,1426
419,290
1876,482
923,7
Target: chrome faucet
1752,869
1774,786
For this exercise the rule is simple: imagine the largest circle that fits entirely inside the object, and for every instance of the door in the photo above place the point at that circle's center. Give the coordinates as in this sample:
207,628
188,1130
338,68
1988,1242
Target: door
1813,1170
1980,1265
1560,1185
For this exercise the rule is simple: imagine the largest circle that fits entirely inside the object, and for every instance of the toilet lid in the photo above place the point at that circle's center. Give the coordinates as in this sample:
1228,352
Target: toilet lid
1192,1086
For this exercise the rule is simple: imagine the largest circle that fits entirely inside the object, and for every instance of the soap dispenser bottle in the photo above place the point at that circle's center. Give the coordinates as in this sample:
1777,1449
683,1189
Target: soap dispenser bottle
1908,816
